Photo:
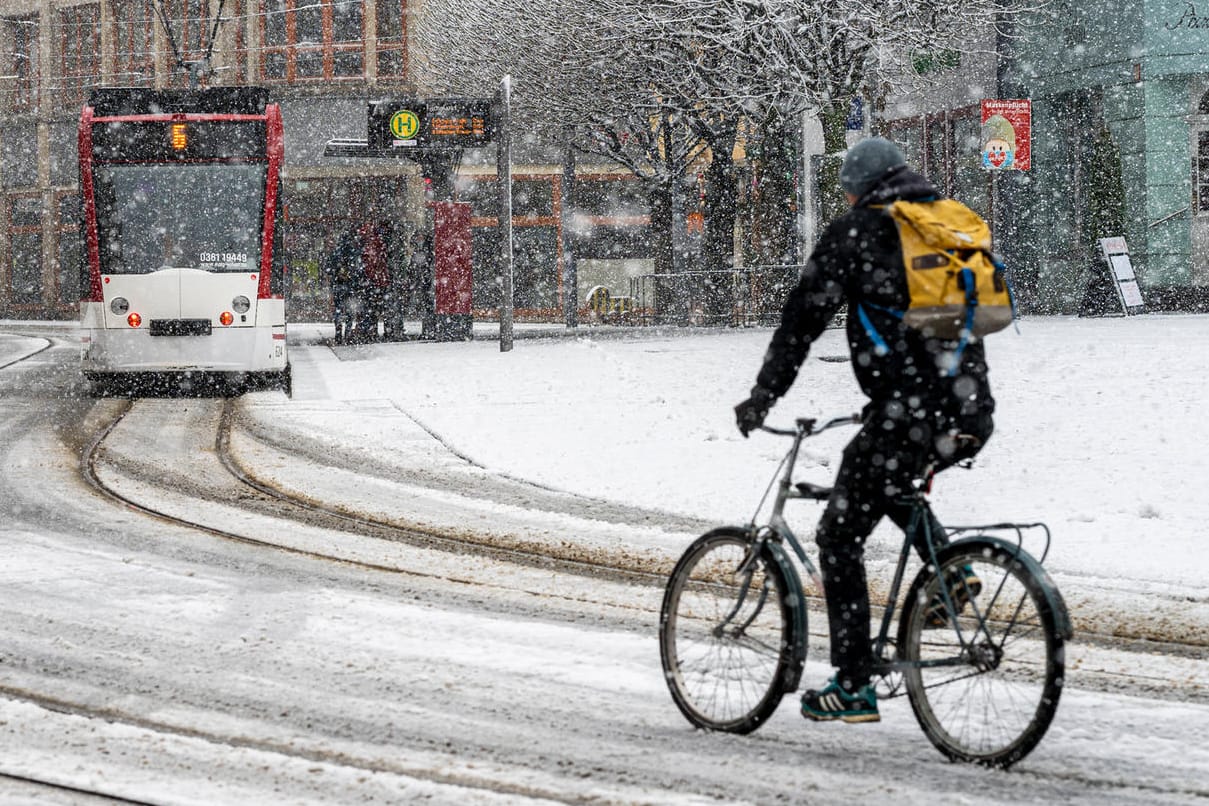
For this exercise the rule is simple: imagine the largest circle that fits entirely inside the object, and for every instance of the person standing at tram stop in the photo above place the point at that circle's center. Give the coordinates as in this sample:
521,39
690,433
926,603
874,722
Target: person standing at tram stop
394,303
918,413
342,266
375,279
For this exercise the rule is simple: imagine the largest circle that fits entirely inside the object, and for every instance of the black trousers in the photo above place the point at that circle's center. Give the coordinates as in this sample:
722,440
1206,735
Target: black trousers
891,450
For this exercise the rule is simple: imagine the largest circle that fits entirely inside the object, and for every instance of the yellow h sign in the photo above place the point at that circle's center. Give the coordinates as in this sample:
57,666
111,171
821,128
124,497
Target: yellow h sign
404,124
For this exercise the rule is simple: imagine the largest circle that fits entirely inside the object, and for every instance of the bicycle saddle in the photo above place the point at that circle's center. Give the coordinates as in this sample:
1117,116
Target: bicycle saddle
814,491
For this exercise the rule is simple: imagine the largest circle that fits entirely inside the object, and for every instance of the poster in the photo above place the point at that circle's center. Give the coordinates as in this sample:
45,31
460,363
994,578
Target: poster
1007,129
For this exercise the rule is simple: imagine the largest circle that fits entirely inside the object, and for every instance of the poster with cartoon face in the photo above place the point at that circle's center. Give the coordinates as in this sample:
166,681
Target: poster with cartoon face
1006,132
998,143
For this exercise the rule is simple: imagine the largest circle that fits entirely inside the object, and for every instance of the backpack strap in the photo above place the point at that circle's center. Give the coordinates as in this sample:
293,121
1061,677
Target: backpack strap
880,347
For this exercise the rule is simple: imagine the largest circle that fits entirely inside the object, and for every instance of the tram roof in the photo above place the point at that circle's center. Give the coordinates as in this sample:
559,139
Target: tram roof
120,101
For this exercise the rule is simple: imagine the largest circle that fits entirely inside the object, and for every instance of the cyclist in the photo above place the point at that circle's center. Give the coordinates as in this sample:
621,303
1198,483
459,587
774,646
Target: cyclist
919,412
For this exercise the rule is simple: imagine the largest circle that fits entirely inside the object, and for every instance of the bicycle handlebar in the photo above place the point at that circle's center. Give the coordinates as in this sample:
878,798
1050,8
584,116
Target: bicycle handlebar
808,426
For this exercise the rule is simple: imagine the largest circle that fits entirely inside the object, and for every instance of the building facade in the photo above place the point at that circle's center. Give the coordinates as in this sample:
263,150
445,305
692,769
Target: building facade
1119,97
322,60
1133,78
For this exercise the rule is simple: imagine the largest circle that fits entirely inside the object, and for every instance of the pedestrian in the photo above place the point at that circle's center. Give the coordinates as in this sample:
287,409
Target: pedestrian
920,410
395,302
375,278
342,267
421,278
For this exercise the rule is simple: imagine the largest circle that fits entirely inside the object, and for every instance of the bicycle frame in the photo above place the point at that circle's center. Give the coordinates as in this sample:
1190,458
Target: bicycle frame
733,630
921,520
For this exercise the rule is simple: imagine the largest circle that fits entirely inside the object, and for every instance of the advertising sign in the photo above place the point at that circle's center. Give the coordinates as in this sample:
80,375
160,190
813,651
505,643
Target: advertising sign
1116,252
1006,134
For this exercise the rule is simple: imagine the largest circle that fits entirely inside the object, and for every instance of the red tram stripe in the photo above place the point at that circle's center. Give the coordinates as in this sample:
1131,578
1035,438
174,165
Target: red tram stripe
276,149
95,292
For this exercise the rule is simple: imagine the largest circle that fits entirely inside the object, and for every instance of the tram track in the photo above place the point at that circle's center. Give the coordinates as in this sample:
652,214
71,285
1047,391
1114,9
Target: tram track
284,746
284,503
14,361
271,730
616,568
47,784
325,515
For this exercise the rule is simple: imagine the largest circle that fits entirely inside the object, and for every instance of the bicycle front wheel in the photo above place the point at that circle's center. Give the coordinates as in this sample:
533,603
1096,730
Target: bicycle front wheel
726,633
984,686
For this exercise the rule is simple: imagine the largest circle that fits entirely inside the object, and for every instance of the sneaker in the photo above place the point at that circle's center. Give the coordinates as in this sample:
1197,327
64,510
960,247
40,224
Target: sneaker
835,703
961,590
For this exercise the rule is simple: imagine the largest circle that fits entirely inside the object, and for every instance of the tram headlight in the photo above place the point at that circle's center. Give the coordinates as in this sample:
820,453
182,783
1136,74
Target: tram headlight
134,320
226,318
119,305
241,304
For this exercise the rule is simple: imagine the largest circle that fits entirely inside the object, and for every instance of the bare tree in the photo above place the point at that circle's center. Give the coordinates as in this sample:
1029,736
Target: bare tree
655,84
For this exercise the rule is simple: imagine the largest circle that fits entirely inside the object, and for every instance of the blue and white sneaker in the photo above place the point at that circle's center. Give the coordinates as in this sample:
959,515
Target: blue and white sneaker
832,702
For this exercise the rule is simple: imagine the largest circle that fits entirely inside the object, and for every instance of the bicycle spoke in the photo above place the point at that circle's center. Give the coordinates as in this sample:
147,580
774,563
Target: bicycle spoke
725,629
995,704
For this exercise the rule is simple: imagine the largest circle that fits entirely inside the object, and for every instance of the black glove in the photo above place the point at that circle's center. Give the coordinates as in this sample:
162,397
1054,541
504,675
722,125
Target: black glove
750,414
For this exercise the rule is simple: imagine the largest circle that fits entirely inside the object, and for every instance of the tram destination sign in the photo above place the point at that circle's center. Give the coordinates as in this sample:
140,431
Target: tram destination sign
430,123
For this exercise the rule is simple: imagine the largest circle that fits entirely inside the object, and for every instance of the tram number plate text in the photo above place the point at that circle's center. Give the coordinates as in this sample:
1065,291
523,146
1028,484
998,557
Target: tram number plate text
223,257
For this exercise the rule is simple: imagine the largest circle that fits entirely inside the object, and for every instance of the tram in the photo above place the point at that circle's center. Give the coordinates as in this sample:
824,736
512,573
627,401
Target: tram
181,219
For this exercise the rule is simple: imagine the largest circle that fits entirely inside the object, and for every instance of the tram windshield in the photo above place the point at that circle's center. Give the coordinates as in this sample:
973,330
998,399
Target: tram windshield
201,215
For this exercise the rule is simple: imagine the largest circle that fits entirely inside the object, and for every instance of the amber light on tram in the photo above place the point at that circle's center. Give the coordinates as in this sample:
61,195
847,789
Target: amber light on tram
226,318
134,320
180,137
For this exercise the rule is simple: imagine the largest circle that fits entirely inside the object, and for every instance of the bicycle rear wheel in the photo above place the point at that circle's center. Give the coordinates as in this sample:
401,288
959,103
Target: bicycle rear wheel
726,633
991,701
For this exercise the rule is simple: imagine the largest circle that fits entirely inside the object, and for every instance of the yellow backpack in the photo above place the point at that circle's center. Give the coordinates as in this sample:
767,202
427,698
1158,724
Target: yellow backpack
957,286
958,289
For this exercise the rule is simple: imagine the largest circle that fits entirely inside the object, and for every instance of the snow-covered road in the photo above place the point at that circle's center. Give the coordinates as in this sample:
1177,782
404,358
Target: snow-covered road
152,662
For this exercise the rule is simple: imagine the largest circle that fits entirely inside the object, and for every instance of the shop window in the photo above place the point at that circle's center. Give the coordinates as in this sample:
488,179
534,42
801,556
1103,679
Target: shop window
971,183
19,57
533,198
611,198
481,193
312,39
535,270
80,51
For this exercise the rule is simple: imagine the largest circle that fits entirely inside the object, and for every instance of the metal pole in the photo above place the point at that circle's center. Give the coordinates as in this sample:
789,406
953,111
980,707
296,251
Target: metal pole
570,280
504,171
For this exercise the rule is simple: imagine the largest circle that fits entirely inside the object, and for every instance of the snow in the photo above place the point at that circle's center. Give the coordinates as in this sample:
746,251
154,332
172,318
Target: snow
460,678
1100,433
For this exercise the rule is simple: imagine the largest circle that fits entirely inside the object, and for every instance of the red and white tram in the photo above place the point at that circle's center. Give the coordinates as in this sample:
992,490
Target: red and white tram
182,213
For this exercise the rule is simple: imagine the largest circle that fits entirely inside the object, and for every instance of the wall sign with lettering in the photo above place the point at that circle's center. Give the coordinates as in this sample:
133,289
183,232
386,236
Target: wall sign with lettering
432,123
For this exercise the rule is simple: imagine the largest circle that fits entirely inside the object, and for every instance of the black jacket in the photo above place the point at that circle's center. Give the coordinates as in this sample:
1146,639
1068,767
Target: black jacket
859,259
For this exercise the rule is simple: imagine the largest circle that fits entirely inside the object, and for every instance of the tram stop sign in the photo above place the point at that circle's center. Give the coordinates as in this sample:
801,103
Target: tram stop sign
429,124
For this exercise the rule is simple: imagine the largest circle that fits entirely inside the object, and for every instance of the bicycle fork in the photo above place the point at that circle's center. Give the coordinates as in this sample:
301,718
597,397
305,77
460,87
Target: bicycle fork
745,571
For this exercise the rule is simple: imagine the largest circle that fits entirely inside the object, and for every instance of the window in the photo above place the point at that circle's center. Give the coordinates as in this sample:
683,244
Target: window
532,199
25,249
134,41
611,197
190,21
1201,202
200,215
69,255
80,43
392,38
313,39
19,46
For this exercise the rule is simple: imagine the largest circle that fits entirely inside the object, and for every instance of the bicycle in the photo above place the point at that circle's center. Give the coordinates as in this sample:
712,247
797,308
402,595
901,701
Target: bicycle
980,657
